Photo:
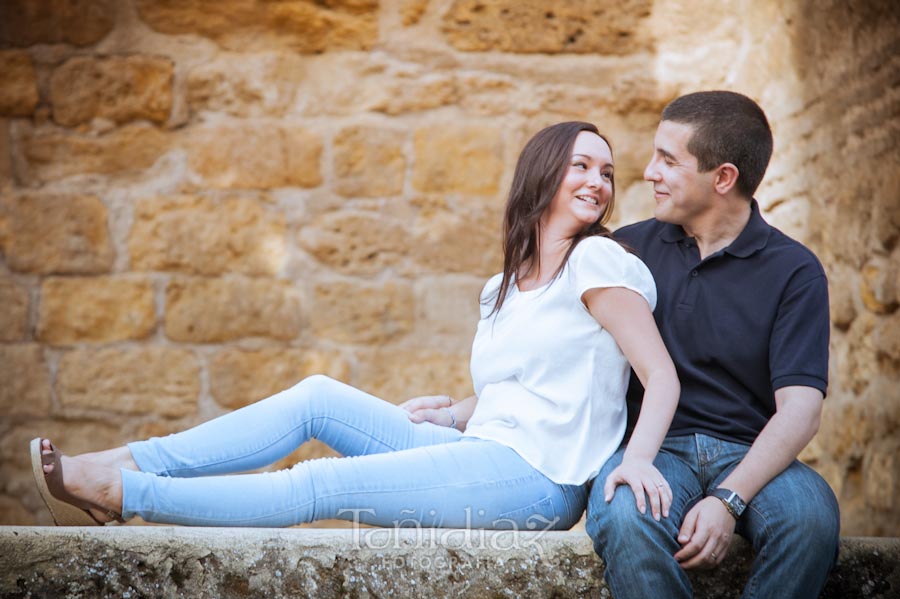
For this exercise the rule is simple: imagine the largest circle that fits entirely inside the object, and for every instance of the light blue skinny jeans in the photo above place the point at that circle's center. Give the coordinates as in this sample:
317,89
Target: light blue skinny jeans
792,523
394,473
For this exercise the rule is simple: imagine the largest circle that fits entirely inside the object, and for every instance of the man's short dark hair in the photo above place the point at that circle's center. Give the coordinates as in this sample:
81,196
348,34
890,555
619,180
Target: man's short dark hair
728,127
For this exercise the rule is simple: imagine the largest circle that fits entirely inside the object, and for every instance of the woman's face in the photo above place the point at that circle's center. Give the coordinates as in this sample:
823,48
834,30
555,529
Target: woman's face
586,189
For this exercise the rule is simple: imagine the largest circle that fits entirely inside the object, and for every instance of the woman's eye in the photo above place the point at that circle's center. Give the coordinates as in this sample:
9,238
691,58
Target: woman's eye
580,165
607,175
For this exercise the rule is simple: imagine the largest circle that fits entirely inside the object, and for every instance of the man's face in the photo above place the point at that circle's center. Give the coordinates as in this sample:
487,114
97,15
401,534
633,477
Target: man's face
681,192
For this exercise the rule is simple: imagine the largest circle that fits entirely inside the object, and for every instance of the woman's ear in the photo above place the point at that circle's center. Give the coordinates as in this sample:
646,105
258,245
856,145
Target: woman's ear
726,178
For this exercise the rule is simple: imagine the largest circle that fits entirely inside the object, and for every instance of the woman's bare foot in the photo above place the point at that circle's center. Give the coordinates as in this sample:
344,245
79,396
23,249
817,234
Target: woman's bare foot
118,457
100,485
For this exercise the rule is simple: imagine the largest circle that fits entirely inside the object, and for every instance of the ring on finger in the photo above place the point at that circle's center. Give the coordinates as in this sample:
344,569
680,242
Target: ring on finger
713,555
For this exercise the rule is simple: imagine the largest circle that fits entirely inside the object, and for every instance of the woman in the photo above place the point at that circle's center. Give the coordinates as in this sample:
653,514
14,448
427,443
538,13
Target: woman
549,364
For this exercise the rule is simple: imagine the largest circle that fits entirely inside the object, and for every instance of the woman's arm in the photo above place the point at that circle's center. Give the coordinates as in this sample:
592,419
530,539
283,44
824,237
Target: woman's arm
434,408
627,317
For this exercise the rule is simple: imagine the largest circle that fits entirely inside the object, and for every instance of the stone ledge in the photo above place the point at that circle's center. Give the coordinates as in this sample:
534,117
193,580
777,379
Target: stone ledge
121,561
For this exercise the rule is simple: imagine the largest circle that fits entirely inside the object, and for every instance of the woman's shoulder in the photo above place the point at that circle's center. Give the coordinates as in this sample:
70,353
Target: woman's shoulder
599,245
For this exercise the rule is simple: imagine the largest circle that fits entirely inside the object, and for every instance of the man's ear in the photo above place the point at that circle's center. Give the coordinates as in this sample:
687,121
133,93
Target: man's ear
726,178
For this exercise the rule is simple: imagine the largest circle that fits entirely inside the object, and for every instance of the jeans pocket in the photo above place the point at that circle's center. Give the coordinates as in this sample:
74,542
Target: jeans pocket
539,515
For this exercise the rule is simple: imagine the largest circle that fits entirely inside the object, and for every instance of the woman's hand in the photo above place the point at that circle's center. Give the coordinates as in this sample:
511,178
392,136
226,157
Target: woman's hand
430,408
643,477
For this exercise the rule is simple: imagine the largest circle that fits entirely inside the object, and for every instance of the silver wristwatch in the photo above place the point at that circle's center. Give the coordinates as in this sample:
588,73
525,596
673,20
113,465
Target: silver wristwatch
732,501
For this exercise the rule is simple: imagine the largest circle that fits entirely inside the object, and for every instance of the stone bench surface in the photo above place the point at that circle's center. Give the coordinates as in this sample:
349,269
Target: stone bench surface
154,561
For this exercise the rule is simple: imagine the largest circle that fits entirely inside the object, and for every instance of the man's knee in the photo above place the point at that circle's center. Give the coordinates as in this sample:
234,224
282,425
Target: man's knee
616,519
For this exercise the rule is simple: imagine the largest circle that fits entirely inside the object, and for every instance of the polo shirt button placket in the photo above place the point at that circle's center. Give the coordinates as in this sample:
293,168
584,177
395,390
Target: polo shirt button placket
694,273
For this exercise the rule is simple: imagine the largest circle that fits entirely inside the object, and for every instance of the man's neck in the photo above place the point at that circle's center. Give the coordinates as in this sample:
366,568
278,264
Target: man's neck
716,230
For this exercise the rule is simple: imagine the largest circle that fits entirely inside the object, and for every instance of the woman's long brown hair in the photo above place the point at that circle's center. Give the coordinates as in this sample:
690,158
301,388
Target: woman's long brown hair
540,170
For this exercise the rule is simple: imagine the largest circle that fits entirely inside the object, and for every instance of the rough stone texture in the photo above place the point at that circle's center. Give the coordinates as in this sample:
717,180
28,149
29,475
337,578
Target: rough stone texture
458,159
297,25
78,22
118,88
140,380
14,316
356,242
170,562
95,309
18,83
369,162
26,381
384,136
204,236
396,375
216,310
458,236
54,154
246,156
62,234
535,26
240,377
240,85
362,313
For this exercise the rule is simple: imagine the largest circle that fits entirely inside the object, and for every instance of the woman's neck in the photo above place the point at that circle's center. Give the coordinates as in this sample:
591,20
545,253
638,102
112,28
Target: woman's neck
552,249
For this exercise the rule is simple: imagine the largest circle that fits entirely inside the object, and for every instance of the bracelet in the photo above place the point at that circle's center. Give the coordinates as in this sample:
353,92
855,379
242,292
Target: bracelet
452,417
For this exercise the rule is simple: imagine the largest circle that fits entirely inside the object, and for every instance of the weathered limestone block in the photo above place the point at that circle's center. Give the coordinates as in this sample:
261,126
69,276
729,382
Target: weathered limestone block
396,375
462,238
856,358
18,83
118,88
368,162
882,475
356,242
362,313
887,342
25,390
78,22
841,294
878,285
135,380
489,95
532,26
6,169
414,91
95,309
203,236
302,26
14,312
412,11
256,156
240,377
13,512
448,306
217,310
56,234
56,154
402,563
246,85
458,158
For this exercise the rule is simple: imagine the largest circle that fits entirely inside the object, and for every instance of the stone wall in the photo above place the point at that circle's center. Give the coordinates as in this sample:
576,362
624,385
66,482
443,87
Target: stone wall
203,202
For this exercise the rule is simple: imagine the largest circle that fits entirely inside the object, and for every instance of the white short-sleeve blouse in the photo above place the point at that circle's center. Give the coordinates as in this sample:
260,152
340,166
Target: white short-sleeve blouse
550,380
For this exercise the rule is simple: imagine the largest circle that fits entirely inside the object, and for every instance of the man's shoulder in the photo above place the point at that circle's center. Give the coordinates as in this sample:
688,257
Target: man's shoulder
639,234
791,254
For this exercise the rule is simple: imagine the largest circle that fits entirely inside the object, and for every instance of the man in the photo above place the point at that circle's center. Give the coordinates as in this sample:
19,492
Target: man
743,310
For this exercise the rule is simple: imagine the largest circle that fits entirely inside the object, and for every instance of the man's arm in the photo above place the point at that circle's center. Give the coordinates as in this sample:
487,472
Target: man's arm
708,527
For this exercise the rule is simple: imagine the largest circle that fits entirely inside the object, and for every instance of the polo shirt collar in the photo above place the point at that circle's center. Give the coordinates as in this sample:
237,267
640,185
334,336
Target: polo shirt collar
753,238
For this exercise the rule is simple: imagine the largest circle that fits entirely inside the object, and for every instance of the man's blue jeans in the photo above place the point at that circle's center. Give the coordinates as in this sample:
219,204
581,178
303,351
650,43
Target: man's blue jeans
793,525
397,473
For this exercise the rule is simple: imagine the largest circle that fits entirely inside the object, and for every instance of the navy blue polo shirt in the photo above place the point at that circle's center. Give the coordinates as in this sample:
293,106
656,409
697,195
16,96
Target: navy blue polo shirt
747,320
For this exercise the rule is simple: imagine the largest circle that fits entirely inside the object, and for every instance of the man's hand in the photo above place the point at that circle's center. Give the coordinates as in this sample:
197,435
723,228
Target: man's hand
429,408
705,535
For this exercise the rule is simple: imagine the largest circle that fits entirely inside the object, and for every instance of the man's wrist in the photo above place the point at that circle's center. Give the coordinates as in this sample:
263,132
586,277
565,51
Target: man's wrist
732,501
